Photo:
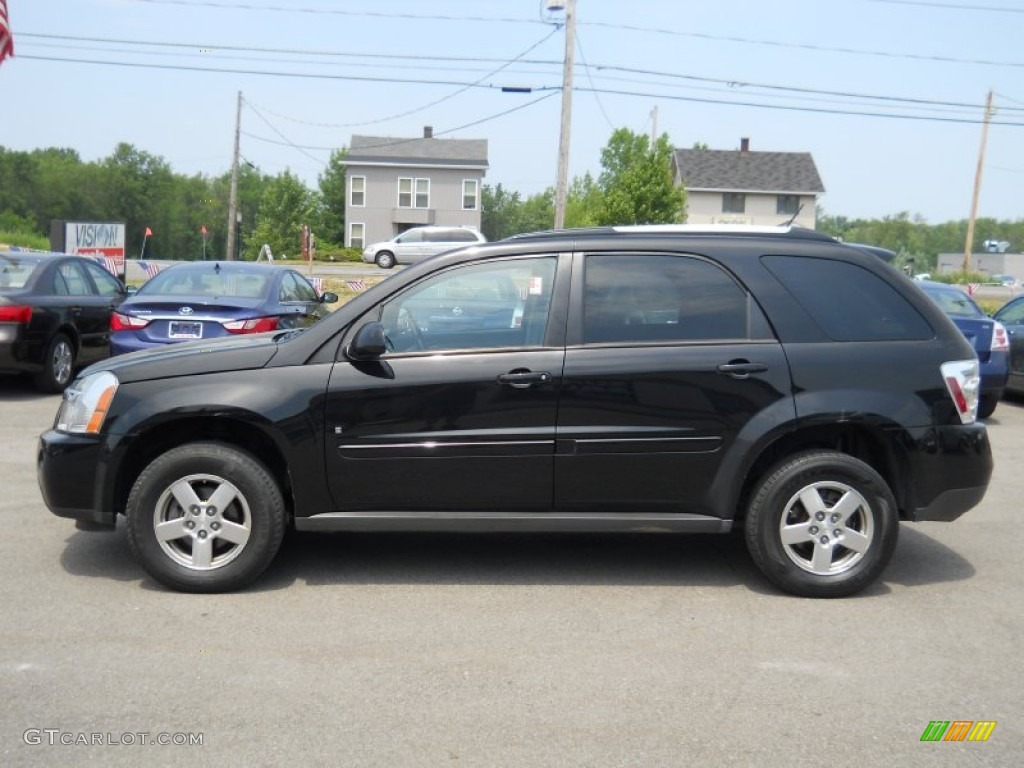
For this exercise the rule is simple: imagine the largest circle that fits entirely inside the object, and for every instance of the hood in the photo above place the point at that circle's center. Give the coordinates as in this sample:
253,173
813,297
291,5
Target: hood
192,357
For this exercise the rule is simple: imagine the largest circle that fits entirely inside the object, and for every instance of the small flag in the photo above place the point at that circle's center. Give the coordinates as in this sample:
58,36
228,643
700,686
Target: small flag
151,268
149,232
971,288
6,36
318,285
107,263
355,285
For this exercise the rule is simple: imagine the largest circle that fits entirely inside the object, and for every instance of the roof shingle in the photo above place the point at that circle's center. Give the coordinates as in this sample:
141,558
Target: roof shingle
781,172
418,151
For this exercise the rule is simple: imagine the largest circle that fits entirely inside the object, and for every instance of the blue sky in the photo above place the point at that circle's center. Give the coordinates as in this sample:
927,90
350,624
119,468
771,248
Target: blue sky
681,57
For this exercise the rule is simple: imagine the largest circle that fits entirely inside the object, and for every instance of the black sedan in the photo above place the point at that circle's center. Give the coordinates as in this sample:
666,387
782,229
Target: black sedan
1012,316
54,315
204,300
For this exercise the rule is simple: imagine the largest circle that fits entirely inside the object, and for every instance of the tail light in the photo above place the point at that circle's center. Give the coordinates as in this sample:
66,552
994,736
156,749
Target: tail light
255,325
119,322
963,380
1000,339
15,314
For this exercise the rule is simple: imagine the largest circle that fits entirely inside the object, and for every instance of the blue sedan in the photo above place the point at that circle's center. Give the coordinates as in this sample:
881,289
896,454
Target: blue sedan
988,336
209,300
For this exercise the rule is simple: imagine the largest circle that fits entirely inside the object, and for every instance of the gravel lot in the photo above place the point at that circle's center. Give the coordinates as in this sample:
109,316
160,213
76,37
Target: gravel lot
589,650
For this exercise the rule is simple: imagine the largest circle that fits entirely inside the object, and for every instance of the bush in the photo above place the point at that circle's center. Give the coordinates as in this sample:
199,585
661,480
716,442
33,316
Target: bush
960,278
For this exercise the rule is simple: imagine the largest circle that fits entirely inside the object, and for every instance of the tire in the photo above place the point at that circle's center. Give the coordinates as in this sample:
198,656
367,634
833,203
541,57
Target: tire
987,405
190,544
385,260
58,365
816,496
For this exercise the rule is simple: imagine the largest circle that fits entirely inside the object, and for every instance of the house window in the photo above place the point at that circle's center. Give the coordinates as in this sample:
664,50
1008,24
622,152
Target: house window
469,191
405,193
787,204
413,193
422,193
734,202
357,191
356,235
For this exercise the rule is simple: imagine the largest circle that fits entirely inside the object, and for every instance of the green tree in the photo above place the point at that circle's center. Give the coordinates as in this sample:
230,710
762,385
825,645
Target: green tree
286,205
636,181
332,191
583,202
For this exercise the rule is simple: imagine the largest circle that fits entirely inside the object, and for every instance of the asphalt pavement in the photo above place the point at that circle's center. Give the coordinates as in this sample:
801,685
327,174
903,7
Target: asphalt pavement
505,650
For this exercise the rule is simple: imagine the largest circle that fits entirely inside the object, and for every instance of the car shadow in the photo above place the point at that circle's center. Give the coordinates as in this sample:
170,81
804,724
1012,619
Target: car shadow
19,388
511,559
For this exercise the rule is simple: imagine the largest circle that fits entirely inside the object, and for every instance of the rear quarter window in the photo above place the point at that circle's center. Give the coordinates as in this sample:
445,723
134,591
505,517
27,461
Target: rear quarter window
848,302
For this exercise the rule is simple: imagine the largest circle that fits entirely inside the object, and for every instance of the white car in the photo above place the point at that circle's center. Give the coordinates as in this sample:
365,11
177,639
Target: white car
418,243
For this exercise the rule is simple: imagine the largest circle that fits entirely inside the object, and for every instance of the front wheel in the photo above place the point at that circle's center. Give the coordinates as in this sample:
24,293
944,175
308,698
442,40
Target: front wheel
822,524
385,260
205,517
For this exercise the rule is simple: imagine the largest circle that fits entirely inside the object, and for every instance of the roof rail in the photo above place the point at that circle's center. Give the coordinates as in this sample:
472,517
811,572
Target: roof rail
785,230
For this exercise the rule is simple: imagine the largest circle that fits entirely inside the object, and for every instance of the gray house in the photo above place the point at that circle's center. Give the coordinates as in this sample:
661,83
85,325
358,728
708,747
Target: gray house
394,184
744,187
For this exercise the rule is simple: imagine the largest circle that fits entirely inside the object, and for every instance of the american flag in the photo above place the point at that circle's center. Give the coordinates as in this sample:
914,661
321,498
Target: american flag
355,285
151,268
318,284
6,36
105,261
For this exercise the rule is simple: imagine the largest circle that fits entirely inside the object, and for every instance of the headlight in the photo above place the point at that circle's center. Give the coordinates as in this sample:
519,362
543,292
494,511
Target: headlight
86,403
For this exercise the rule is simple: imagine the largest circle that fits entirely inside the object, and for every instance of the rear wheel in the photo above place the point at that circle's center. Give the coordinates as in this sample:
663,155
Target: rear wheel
385,260
822,524
58,365
987,405
205,517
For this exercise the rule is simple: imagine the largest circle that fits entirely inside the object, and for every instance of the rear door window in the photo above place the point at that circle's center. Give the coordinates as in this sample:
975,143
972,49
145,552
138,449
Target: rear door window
663,298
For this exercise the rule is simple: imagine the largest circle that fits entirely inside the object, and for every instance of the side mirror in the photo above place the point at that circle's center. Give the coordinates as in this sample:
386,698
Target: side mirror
328,298
131,290
368,344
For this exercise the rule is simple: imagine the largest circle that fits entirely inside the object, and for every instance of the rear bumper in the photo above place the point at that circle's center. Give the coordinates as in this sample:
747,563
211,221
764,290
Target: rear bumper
952,467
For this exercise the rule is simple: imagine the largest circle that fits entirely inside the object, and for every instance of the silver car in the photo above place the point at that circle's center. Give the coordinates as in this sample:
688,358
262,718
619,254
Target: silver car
418,243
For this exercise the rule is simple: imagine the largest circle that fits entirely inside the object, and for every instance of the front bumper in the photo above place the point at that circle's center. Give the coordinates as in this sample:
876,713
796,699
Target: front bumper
73,474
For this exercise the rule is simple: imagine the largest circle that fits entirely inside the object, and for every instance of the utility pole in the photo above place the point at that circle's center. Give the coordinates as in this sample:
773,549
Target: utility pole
562,182
969,245
654,126
233,194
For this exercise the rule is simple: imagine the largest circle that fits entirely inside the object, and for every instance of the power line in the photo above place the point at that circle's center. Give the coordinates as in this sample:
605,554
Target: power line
818,110
994,8
520,59
338,12
395,142
275,130
802,46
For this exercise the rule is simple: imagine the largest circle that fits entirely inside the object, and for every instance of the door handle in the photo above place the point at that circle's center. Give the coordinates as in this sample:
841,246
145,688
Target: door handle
524,379
741,369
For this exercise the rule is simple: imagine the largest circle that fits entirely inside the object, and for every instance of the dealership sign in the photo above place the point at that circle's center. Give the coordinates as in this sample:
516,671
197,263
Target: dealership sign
95,239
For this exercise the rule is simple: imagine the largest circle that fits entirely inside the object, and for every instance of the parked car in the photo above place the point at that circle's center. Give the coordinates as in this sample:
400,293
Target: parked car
987,336
1011,315
670,378
54,315
418,243
1008,281
210,300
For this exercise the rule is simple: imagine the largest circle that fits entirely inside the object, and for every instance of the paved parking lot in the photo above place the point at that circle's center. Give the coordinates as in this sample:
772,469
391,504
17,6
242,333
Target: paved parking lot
412,650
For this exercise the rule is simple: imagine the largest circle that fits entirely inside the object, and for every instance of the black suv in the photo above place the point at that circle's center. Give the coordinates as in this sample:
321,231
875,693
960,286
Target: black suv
637,379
